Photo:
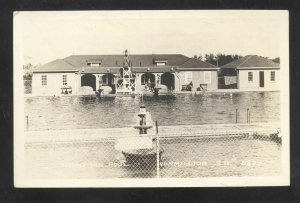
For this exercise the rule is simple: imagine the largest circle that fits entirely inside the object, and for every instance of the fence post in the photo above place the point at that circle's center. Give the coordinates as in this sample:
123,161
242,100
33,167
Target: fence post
236,116
157,150
247,115
27,121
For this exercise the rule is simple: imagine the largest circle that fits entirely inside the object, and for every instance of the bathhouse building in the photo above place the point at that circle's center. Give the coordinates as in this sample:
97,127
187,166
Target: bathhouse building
251,72
86,74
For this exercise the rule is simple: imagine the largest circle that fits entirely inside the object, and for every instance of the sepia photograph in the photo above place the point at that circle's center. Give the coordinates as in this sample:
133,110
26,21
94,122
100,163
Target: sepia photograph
194,98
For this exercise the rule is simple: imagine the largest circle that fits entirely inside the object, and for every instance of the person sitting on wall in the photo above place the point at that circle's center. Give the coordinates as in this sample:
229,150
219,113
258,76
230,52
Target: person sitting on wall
146,85
190,86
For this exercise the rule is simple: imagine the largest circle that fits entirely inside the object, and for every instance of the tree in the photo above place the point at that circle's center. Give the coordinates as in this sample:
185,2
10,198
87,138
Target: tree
200,57
220,59
27,70
277,60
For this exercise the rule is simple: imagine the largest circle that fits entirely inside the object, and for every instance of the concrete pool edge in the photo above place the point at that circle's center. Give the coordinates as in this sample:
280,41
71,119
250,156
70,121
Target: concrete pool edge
220,91
165,132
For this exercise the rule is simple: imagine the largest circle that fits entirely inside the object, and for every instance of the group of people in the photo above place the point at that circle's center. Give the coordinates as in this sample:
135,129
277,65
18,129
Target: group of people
148,86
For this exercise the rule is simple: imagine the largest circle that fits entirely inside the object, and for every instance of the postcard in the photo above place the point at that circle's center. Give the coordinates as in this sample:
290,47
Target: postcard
192,98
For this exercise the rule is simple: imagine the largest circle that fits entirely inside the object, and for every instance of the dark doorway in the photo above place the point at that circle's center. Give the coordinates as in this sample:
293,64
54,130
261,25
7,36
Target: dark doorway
168,80
89,80
148,78
261,79
108,79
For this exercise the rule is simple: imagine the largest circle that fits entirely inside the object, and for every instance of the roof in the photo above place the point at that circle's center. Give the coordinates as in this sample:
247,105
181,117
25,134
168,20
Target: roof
117,60
56,65
140,63
114,70
153,69
195,64
79,62
102,70
252,62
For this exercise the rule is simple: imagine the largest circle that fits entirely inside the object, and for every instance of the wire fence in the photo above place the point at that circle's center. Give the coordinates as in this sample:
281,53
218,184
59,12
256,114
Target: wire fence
188,153
196,155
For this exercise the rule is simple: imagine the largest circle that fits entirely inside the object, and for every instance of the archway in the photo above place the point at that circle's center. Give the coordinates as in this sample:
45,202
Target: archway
148,78
89,80
108,79
168,79
121,72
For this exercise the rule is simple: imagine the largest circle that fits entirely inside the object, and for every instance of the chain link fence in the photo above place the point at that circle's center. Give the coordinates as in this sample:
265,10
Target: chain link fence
169,154
190,155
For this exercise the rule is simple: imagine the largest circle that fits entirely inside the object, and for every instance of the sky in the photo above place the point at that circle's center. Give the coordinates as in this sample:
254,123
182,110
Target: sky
41,37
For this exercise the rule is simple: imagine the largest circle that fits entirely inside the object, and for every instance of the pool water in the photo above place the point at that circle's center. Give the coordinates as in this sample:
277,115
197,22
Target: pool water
209,108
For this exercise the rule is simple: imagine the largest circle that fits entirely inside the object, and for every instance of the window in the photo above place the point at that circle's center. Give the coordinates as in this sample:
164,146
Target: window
44,80
207,77
160,63
64,80
95,64
188,77
250,76
272,75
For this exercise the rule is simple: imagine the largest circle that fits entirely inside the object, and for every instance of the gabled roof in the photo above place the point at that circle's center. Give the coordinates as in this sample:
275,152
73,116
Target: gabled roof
252,62
196,64
56,65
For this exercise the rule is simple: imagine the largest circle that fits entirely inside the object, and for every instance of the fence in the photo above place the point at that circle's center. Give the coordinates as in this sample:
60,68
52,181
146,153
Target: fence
204,154
186,153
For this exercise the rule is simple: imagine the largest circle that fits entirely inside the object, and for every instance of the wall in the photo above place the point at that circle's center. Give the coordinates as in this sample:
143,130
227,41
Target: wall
244,84
54,83
198,78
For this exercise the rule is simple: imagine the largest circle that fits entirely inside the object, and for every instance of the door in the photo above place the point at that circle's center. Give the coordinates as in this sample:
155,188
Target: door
261,79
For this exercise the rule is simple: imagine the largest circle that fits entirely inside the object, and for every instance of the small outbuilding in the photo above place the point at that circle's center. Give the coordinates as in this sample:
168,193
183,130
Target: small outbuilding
251,72
203,76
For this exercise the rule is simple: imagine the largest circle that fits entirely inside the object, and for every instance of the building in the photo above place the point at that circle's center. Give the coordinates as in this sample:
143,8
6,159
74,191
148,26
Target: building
122,73
204,76
252,73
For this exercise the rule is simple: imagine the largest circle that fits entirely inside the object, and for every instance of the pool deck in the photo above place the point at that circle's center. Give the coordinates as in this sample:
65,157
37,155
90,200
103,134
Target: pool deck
218,91
165,132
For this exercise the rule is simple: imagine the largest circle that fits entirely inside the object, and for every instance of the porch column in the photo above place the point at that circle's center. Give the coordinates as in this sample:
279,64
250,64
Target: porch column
138,82
177,82
97,81
158,79
78,83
